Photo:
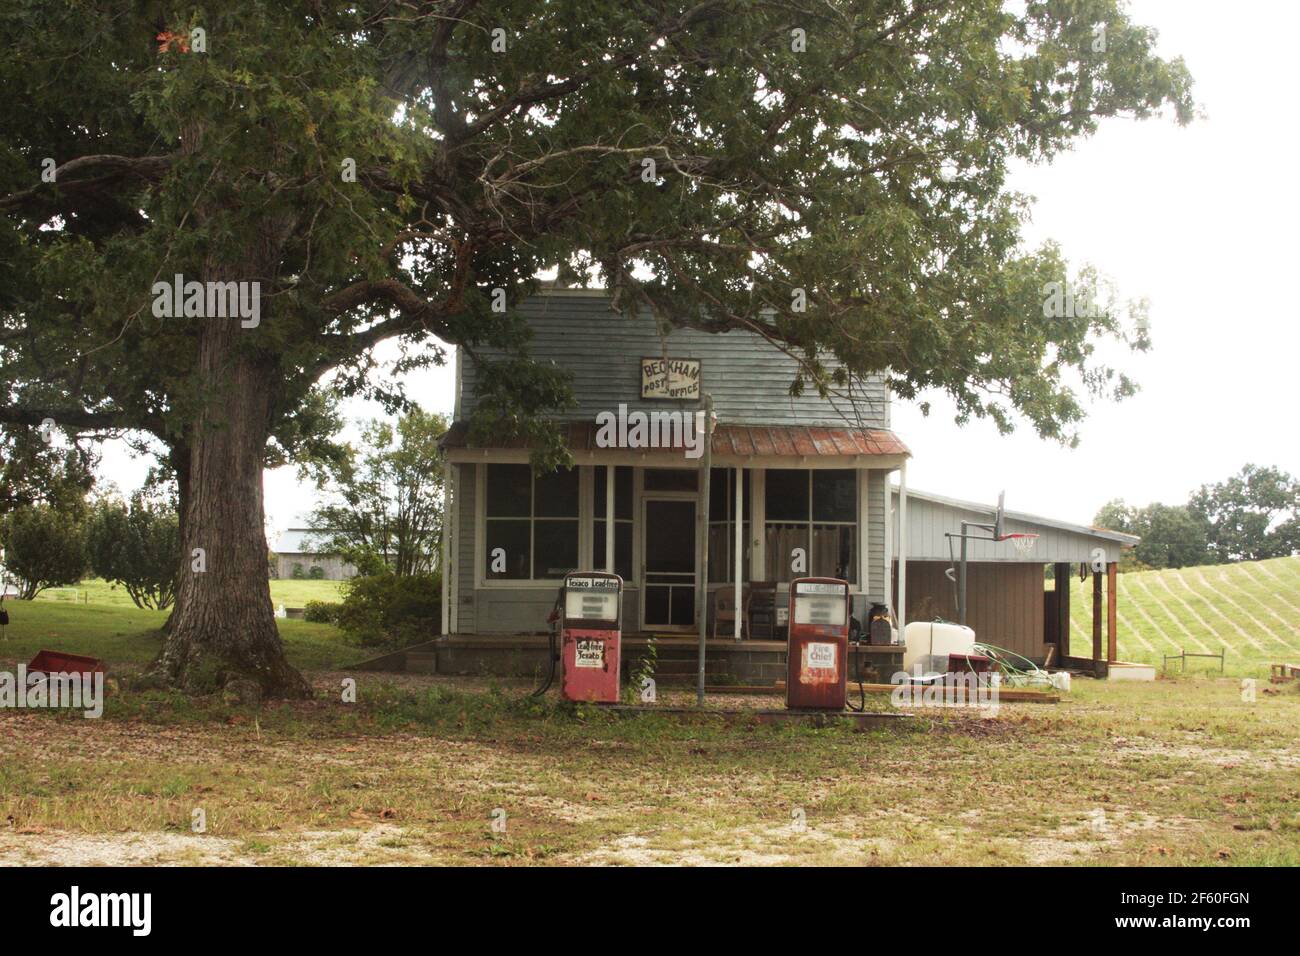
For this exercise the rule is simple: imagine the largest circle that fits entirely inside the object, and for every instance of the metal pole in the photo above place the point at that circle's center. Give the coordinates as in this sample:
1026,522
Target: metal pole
961,580
609,518
902,552
739,545
702,576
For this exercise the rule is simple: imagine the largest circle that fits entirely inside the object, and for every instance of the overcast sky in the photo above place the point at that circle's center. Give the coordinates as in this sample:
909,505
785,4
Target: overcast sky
1201,220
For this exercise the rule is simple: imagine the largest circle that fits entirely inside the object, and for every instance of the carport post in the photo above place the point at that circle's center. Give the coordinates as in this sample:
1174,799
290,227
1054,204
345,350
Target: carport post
1112,611
1096,622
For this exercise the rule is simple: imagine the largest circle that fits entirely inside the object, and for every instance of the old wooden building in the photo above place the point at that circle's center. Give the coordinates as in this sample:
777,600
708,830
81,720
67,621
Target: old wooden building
797,485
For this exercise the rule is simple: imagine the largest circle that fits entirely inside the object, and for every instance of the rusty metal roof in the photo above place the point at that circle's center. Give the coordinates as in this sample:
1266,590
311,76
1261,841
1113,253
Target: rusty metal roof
731,441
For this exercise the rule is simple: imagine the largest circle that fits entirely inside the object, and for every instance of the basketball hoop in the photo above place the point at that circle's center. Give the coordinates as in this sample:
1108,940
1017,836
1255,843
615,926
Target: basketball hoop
1023,543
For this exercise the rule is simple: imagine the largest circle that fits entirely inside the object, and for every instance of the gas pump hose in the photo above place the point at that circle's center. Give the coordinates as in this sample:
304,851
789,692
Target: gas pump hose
552,639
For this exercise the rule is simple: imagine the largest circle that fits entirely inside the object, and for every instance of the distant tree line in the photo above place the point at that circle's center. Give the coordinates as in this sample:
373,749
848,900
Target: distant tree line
1251,516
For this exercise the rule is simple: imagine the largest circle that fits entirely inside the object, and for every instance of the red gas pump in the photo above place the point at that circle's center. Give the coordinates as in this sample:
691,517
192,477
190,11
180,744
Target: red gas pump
590,635
817,675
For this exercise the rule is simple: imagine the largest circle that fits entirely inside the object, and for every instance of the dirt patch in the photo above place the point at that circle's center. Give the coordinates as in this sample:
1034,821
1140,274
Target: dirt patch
126,849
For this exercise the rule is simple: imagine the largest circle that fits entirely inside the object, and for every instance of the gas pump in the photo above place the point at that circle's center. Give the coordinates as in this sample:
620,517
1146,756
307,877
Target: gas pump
817,675
590,635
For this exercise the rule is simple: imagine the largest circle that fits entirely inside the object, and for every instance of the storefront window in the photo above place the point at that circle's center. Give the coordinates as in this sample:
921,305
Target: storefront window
622,521
531,523
816,511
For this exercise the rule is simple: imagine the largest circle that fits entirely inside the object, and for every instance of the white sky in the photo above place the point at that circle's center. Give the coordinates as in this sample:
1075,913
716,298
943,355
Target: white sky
1200,220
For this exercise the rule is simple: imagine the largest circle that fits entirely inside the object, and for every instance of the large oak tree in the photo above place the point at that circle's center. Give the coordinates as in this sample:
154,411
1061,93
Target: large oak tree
828,173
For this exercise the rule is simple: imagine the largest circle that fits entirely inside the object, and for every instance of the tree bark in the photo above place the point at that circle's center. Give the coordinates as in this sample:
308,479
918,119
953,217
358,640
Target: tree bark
178,457
223,627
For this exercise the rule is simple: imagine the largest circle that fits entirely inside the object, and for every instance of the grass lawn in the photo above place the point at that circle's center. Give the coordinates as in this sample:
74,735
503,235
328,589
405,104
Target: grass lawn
1182,771
126,634
1251,609
289,592
1178,772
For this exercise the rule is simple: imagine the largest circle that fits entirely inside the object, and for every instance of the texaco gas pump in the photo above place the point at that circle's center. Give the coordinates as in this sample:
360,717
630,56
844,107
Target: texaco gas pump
819,644
590,634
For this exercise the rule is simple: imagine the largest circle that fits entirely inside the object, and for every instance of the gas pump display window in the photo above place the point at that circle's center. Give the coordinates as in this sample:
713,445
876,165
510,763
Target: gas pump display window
823,604
591,605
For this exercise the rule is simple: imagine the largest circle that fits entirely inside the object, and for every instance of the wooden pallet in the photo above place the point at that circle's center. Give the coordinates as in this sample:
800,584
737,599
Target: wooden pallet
1283,673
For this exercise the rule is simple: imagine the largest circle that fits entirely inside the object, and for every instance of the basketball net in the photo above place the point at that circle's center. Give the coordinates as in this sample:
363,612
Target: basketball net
1023,543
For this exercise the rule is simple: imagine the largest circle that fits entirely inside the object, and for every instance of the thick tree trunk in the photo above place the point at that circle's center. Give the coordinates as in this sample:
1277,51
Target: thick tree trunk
179,458
223,628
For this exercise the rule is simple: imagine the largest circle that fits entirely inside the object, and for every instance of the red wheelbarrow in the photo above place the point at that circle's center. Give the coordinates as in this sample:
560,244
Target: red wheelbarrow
57,662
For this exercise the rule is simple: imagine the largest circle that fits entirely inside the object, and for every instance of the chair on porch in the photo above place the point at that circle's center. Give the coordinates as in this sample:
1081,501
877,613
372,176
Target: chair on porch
724,610
761,611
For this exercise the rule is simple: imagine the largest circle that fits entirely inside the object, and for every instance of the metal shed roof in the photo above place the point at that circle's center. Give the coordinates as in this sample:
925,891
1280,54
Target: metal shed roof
931,516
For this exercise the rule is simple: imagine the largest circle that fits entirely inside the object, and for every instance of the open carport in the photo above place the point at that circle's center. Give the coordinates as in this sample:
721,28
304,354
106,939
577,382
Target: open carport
1009,601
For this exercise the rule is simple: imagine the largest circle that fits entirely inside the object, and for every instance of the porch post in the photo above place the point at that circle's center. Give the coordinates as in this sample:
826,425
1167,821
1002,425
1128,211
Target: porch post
444,559
609,518
702,577
902,552
740,543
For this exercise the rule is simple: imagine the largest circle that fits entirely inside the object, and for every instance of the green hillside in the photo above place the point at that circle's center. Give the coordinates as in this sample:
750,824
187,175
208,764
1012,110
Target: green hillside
1251,608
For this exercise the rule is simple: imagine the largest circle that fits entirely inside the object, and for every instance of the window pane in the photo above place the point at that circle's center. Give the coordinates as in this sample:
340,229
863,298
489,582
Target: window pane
787,496
622,548
671,479
508,490
722,541
835,495
557,494
622,492
555,548
782,539
833,552
511,537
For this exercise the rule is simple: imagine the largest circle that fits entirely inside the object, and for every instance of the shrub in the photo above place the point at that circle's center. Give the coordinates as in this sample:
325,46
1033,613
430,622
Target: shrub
386,608
317,573
45,547
321,612
137,546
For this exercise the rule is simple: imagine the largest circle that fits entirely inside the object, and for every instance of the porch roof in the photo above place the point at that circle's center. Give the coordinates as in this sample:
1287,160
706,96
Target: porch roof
809,445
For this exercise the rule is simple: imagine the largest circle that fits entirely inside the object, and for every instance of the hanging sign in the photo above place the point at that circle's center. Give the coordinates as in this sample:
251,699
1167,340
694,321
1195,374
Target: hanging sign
670,378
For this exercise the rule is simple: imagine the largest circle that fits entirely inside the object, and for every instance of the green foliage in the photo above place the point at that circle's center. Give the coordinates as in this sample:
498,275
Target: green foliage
387,498
317,573
867,169
642,672
391,609
1251,516
138,546
44,547
1172,536
321,612
36,471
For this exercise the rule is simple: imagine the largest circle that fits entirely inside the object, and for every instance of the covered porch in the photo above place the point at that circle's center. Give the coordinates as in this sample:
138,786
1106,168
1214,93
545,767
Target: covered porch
789,501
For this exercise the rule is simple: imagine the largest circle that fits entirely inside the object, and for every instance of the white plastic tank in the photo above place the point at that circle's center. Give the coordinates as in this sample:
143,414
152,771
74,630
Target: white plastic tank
925,639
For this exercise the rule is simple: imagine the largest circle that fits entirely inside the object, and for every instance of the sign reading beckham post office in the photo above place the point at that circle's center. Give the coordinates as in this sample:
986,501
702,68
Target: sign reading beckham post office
670,378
